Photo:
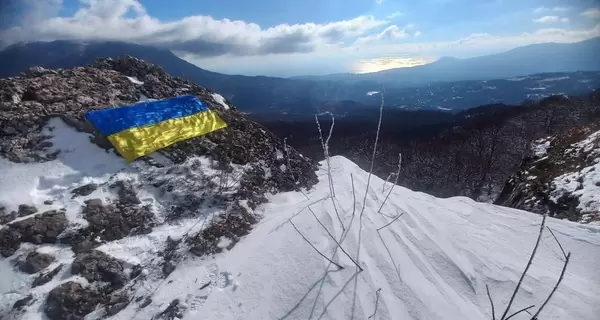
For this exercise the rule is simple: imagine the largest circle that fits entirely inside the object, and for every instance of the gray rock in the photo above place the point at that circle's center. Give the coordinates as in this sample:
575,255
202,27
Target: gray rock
35,262
10,240
46,277
19,304
7,217
127,193
71,301
112,221
85,190
98,266
25,210
173,311
43,228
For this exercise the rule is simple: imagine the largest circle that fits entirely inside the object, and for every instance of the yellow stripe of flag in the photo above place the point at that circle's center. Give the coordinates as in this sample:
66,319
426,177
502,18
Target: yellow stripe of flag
139,141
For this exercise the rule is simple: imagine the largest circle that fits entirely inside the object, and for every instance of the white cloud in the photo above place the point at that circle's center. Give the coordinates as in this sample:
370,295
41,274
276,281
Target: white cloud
591,13
394,15
550,19
238,45
390,33
555,9
379,1
337,59
127,20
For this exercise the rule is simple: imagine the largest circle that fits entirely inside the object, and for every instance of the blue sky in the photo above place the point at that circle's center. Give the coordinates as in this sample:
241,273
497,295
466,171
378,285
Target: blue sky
294,37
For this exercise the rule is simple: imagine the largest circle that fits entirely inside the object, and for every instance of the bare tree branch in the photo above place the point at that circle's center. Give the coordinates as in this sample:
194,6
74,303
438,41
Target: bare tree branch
362,211
376,304
317,250
522,310
331,184
537,243
395,182
559,245
491,302
562,274
325,146
396,218
333,238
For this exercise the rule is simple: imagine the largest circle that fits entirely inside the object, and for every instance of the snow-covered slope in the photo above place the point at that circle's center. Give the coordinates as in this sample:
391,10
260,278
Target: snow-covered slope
433,262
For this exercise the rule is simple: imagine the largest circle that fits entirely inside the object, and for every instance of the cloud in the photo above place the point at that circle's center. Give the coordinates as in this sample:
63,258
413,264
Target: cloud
479,43
394,15
555,9
550,19
127,20
379,1
390,33
592,13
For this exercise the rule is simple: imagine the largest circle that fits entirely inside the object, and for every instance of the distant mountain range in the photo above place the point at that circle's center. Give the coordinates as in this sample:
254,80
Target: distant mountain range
531,59
440,85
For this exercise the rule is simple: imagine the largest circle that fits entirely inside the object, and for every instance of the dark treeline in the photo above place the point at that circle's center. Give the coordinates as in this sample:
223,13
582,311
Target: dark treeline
471,153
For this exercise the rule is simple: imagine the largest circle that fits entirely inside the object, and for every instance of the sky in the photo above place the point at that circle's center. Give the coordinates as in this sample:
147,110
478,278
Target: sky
305,37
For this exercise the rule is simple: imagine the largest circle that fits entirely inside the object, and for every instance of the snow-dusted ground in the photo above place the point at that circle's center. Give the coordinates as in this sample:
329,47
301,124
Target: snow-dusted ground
584,183
431,263
219,99
540,147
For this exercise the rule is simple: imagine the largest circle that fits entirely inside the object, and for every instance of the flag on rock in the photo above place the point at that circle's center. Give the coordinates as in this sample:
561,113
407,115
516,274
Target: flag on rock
142,128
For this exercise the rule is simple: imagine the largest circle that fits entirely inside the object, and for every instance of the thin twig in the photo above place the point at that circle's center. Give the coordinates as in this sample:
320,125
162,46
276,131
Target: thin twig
333,238
522,310
362,211
325,146
376,304
562,274
487,288
537,243
395,182
353,210
396,218
559,245
331,184
353,196
317,250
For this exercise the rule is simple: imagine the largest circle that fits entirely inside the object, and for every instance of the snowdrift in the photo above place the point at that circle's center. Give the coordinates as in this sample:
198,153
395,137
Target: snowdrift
433,262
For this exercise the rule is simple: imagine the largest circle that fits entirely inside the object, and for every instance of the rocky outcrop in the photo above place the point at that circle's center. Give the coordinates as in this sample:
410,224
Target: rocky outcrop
245,159
46,277
36,262
98,266
27,102
561,177
71,301
43,228
84,190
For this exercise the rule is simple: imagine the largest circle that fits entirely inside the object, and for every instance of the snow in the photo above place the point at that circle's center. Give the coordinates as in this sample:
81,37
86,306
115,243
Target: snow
518,78
135,80
370,93
554,79
540,147
431,263
220,100
584,183
435,262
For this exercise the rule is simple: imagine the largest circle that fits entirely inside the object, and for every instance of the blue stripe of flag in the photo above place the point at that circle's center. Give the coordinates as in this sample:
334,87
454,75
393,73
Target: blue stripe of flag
111,121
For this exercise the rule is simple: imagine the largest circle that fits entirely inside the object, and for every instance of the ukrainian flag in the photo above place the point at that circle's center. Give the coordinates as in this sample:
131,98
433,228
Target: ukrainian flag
145,127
